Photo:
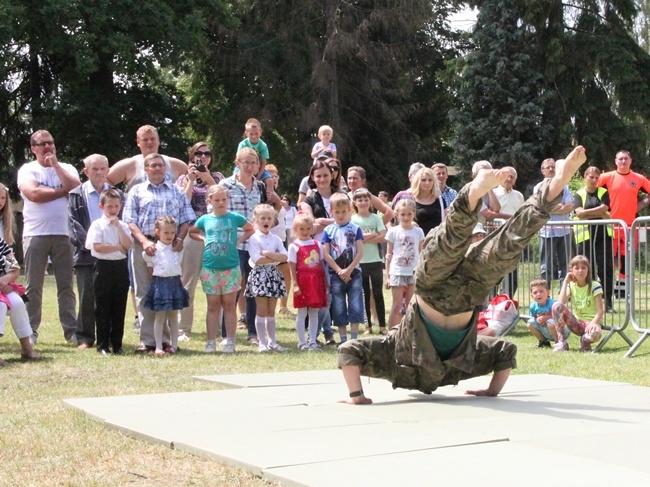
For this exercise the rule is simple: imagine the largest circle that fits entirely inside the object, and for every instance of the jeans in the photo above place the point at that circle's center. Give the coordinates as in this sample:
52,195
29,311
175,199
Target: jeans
347,299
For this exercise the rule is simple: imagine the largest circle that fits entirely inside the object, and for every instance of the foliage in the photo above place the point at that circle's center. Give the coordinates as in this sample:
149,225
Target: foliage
575,73
368,69
92,72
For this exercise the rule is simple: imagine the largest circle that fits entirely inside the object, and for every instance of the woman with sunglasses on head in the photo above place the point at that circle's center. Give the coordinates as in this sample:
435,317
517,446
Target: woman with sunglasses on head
195,183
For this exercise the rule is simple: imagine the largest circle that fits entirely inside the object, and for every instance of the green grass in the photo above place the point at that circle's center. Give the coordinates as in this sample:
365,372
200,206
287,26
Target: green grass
42,442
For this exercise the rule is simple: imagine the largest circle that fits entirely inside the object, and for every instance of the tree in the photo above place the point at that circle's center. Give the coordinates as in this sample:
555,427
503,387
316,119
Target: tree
501,94
590,80
92,72
369,69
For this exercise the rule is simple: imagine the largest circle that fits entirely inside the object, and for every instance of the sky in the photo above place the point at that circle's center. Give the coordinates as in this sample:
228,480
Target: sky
464,20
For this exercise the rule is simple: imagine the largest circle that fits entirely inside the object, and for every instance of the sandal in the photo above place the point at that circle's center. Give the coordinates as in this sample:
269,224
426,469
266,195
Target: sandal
368,331
169,349
159,353
383,330
30,355
241,323
144,349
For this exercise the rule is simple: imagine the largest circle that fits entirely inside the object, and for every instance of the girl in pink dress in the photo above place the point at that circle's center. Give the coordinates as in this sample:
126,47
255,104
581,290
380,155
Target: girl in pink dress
310,282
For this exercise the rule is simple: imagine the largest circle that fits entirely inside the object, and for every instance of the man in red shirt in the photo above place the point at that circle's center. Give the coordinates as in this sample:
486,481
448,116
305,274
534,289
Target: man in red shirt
623,186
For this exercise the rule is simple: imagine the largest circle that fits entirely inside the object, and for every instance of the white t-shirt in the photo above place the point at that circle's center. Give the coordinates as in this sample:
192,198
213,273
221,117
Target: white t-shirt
49,218
294,247
406,249
281,228
101,231
165,262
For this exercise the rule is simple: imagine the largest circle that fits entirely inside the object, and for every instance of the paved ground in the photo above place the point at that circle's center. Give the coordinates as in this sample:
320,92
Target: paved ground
543,430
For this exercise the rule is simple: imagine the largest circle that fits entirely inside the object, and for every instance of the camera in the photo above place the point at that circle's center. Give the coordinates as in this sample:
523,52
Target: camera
200,167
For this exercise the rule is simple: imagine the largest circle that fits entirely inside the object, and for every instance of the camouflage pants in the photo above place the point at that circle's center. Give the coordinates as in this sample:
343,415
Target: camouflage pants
454,276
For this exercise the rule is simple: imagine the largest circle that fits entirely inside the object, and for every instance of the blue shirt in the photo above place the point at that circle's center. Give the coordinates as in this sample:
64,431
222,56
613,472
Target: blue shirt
537,310
449,195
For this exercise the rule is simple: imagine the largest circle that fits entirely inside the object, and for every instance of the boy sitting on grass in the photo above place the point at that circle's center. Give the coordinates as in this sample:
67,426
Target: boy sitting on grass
541,323
436,343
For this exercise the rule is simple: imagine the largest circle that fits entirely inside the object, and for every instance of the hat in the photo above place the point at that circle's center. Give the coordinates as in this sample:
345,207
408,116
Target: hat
478,229
415,167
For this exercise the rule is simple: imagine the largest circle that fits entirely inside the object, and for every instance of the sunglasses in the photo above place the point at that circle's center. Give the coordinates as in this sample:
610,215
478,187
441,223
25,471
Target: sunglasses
206,153
334,168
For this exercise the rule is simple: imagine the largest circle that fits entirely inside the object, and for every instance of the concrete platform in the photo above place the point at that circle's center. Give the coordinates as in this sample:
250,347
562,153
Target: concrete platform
543,430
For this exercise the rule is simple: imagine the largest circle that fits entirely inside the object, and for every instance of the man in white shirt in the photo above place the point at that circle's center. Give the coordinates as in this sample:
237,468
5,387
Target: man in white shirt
44,186
510,200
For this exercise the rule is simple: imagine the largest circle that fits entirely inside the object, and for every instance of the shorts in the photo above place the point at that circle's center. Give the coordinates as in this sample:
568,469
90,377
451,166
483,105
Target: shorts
395,281
221,282
544,329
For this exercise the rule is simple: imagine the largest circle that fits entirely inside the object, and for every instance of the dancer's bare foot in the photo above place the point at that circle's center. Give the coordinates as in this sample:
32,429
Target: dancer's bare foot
564,171
485,180
357,400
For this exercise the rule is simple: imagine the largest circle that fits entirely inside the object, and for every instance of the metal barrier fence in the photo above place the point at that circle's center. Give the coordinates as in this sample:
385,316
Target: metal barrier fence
639,262
604,268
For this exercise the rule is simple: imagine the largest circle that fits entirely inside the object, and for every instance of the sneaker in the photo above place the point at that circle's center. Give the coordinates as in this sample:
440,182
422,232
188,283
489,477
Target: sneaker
303,346
229,348
314,347
330,341
223,342
276,347
585,345
544,344
183,338
262,349
211,346
561,347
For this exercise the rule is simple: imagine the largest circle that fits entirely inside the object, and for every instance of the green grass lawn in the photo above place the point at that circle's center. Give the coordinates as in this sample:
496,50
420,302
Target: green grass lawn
42,442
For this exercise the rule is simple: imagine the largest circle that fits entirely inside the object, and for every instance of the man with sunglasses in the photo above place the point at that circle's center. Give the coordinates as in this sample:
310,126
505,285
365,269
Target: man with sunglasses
44,186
